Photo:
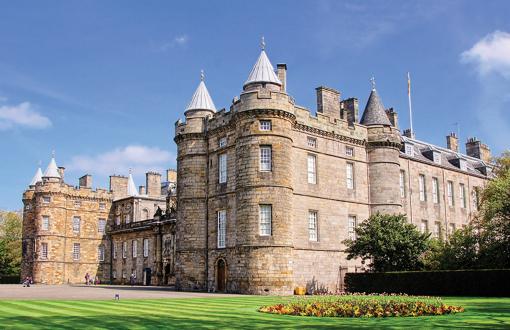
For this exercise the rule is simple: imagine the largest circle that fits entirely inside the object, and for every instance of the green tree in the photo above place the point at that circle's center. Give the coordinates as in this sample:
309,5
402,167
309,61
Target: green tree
389,242
10,243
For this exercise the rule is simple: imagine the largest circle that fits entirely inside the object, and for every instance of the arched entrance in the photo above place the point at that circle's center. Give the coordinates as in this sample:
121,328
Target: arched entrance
221,275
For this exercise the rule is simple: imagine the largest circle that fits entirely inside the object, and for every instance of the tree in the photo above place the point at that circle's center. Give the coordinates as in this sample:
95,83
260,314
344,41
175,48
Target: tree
10,243
390,242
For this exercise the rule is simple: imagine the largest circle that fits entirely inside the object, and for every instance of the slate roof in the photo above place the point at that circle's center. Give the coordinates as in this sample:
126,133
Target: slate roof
374,113
201,100
37,177
131,188
52,170
263,71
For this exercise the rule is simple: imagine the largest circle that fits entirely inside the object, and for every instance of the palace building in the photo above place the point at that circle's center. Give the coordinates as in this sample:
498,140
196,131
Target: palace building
264,195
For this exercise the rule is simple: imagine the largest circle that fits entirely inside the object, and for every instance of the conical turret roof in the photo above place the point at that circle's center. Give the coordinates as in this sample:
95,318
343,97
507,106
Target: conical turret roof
374,113
37,177
131,188
52,170
201,100
263,71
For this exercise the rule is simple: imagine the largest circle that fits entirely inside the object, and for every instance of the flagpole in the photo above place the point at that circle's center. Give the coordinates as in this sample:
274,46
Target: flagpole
410,106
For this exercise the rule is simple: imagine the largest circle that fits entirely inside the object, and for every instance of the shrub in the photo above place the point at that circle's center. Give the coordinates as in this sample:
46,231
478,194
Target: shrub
9,279
437,283
363,306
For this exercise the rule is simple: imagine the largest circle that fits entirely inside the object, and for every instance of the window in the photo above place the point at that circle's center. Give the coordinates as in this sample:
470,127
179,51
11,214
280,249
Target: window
265,158
117,220
437,230
46,199
409,149
124,273
435,190
349,174
351,227
476,198
312,171
101,226
44,251
349,151
265,125
463,164
421,181
100,253
114,247
76,251
402,184
222,224
222,160
436,156
45,222
451,228
27,207
449,192
134,248
424,226
124,250
102,206
76,224
265,217
77,204
311,142
145,247
114,274
127,218
222,142
462,195
312,225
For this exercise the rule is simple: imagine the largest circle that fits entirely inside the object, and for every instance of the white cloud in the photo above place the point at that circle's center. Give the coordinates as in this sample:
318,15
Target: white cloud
118,161
23,115
491,54
180,40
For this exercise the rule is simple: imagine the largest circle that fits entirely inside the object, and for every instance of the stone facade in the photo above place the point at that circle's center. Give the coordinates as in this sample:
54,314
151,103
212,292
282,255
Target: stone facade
327,173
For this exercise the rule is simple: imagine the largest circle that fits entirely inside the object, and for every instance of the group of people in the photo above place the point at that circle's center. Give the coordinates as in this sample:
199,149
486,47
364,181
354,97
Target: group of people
90,281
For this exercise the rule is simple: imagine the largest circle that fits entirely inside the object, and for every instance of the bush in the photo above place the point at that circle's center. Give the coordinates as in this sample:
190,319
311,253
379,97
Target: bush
9,279
493,283
363,306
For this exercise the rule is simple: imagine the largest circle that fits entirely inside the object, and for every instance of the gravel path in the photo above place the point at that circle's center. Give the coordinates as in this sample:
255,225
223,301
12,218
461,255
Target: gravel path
75,292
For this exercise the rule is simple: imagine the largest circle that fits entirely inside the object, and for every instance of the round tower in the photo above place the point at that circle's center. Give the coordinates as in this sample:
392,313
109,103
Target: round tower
263,119
192,173
383,145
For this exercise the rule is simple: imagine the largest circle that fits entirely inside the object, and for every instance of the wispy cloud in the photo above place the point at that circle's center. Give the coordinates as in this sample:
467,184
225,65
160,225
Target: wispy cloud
178,41
22,115
139,158
490,57
491,54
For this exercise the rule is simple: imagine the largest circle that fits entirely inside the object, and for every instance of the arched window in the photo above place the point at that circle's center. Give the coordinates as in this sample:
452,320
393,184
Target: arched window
145,214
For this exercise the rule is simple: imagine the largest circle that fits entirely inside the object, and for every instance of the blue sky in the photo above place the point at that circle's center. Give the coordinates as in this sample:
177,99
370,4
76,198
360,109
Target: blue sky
103,82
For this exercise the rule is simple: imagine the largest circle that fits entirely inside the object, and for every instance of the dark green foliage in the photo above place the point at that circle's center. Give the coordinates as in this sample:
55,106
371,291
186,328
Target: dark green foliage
441,283
390,242
9,279
10,243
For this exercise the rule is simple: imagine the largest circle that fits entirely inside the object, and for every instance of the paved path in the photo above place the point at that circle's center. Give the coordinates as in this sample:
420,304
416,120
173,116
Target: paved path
16,291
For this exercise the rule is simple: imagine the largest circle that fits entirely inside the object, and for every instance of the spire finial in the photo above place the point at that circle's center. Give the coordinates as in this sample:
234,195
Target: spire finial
372,81
130,170
202,75
39,163
262,43
53,153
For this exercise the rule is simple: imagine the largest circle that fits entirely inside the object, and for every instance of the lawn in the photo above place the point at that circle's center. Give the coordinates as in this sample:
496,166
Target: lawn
226,313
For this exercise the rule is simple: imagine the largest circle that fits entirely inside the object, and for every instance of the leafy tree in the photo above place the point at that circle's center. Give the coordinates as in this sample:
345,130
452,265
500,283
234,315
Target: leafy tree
10,243
389,242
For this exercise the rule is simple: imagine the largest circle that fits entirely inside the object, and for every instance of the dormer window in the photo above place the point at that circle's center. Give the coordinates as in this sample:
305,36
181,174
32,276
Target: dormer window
265,125
436,156
312,142
463,164
409,149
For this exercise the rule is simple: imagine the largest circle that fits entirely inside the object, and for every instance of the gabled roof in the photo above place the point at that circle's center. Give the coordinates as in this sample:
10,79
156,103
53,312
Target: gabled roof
374,113
201,100
131,188
37,177
263,71
52,170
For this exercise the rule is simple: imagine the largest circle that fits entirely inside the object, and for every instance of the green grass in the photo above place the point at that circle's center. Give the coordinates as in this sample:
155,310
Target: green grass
226,313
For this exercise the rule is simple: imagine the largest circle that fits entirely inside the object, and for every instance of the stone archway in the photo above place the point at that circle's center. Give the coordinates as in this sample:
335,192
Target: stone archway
221,275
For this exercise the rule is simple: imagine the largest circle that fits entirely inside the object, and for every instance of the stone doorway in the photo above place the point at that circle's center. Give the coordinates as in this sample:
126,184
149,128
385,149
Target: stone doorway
221,275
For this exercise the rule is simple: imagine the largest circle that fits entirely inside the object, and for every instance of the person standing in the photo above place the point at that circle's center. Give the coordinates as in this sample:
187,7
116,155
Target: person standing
87,279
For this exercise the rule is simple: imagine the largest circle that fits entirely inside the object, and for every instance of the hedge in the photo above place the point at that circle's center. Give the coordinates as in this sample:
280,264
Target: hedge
9,279
490,282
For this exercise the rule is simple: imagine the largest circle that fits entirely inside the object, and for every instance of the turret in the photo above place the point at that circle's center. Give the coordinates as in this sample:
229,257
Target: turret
52,173
383,145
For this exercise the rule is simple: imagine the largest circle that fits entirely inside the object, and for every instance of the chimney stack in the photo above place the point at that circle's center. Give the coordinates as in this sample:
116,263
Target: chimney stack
85,181
171,175
281,69
407,133
141,190
118,186
392,116
328,102
452,142
475,148
153,183
350,109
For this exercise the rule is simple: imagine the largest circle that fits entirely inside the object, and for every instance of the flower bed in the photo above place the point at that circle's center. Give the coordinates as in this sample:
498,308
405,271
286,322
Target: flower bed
363,306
